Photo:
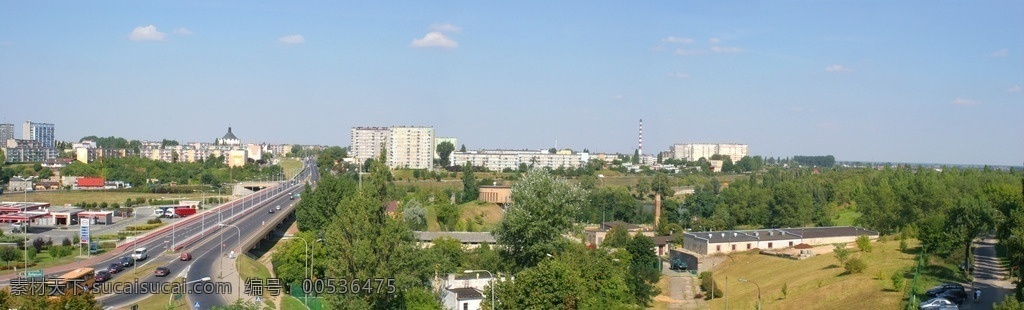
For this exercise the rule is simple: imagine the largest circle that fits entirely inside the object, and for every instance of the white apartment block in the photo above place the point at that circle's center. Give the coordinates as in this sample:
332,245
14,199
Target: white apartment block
695,151
411,147
42,132
498,160
367,142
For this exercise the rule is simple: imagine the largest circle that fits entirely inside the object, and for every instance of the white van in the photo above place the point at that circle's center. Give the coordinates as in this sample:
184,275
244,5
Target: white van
140,254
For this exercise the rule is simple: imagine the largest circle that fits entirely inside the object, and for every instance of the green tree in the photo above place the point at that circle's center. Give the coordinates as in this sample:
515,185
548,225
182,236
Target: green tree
897,281
973,217
543,210
447,215
8,254
444,151
420,298
864,243
45,173
470,186
415,215
841,252
463,148
290,259
662,184
609,204
643,269
447,255
855,265
317,207
617,237
362,242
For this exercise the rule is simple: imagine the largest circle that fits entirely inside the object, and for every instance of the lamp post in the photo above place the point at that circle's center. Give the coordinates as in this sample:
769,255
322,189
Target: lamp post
305,261
312,254
493,306
222,253
758,292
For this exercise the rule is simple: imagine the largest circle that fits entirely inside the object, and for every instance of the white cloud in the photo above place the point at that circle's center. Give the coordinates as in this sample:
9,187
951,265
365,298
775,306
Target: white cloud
446,27
837,68
679,75
672,39
686,52
292,39
726,49
183,31
1014,89
1000,53
965,102
714,40
434,39
146,33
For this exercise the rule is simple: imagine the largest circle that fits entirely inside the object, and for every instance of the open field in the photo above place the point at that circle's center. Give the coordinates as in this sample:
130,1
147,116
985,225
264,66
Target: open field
846,217
290,166
250,268
159,301
490,213
814,283
62,197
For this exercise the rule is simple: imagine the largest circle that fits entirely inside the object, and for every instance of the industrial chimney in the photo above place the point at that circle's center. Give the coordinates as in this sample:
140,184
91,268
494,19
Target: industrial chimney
657,209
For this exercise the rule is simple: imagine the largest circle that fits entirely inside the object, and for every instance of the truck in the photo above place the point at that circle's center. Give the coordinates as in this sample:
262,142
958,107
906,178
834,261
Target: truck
184,211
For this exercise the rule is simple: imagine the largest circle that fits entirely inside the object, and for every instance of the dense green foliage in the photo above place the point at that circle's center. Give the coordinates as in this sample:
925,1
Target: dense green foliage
544,209
444,150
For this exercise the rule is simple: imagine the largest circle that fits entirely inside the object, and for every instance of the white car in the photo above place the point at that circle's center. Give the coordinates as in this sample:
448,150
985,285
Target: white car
140,254
937,303
278,208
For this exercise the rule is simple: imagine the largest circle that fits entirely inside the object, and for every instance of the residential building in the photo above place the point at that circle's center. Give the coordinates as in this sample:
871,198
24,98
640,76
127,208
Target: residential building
462,298
695,151
596,236
17,184
410,147
367,142
500,195
28,151
498,160
6,132
465,291
87,153
42,132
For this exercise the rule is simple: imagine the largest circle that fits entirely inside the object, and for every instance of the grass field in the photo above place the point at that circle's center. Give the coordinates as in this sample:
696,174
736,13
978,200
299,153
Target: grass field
491,214
62,197
291,303
290,166
250,268
160,301
846,217
814,283
43,260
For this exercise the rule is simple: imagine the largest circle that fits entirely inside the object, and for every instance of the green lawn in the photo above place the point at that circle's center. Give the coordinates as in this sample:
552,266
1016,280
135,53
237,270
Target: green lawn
160,301
291,166
43,260
291,303
846,217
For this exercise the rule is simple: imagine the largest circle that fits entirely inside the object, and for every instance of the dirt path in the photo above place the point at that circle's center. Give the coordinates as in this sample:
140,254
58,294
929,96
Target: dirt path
989,277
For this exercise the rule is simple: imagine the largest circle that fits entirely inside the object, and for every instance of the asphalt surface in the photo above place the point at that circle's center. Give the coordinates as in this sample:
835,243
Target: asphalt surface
202,239
989,277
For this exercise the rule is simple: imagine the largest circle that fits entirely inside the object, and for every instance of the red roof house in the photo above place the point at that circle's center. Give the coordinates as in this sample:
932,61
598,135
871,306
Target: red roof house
89,182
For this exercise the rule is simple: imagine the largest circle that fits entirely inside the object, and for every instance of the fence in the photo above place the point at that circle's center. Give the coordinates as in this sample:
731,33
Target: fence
311,302
912,299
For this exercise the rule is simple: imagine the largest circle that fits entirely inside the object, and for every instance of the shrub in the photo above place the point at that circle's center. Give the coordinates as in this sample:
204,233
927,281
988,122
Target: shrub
864,243
154,221
785,290
65,242
897,281
841,253
855,265
49,242
903,245
707,284
60,251
38,244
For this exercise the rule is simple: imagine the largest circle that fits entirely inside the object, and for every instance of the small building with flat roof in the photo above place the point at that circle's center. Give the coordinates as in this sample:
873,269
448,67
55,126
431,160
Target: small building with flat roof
64,216
97,217
713,242
8,207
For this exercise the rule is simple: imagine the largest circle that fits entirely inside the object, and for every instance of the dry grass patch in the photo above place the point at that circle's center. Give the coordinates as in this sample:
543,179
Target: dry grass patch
814,283
490,214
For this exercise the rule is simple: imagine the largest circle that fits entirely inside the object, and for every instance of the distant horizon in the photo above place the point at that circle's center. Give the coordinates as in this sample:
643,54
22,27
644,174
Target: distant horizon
900,81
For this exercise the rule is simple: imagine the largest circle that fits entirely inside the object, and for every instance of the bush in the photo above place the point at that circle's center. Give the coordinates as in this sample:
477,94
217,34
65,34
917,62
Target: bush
65,242
864,243
38,244
903,245
707,284
142,227
49,242
855,265
154,221
897,281
60,251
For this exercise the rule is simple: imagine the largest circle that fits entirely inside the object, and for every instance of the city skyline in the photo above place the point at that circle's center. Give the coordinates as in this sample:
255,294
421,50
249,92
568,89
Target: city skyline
865,81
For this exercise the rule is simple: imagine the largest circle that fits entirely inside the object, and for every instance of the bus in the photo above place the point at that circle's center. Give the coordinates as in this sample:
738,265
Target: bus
77,281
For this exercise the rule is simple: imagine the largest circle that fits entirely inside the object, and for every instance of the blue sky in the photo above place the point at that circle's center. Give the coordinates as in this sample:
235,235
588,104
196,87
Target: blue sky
913,81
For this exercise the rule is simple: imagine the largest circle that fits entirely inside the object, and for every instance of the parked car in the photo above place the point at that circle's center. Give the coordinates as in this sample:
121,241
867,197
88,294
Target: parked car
127,261
278,208
115,268
953,292
186,256
937,304
956,296
939,289
162,271
102,276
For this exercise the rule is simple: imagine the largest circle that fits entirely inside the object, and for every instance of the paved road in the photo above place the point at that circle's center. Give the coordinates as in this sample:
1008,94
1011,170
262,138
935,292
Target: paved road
988,276
207,236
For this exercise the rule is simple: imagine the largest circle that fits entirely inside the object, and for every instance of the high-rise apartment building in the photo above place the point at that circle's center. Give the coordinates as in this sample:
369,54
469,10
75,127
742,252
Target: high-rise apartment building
6,132
411,147
695,151
42,132
367,142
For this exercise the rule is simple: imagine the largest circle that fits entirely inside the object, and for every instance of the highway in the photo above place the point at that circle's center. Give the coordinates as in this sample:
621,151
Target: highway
200,235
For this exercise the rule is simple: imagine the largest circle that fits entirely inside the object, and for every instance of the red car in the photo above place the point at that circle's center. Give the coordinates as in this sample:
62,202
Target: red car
186,256
162,271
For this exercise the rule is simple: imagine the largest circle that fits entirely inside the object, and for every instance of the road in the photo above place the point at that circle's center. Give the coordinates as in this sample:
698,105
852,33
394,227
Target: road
988,276
247,214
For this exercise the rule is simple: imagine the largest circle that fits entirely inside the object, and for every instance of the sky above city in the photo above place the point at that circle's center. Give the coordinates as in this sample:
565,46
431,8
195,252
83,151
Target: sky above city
898,81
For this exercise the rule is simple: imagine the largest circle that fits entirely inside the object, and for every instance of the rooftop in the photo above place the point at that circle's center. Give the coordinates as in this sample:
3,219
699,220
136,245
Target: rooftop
464,293
462,236
779,234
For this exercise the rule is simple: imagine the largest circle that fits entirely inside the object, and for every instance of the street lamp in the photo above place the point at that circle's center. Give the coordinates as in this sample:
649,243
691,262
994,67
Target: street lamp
758,292
239,251
312,255
493,306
